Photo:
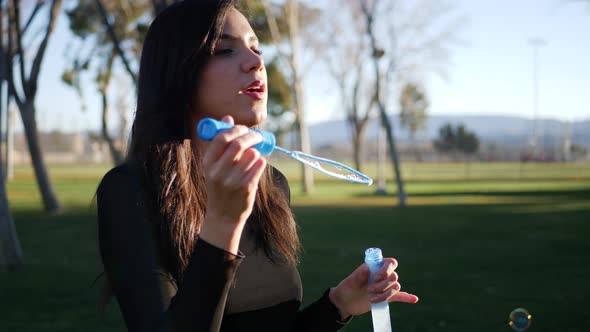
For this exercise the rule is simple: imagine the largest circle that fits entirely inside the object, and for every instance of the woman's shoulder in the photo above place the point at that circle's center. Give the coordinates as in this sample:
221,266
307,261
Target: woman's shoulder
119,193
119,178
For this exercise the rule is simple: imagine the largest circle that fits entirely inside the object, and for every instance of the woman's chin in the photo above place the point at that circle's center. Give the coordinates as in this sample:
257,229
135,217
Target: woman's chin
253,118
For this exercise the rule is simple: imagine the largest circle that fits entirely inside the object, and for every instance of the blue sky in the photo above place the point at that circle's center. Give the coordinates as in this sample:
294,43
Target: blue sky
492,74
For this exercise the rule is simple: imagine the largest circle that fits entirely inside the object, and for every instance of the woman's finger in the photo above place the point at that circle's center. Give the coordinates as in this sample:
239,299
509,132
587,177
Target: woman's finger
230,170
389,266
235,175
249,158
384,296
217,146
252,178
234,149
404,297
228,118
383,285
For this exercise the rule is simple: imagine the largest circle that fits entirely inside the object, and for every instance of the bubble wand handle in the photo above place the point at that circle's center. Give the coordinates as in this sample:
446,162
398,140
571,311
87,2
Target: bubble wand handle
379,311
208,128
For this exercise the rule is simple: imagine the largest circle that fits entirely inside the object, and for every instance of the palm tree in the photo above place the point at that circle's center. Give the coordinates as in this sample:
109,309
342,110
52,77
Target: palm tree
413,108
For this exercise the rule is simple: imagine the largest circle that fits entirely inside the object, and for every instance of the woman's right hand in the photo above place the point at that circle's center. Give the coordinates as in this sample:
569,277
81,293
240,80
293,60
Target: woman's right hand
232,171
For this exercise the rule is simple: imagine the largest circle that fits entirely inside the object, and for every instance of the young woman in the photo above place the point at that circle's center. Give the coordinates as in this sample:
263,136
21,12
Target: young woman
199,236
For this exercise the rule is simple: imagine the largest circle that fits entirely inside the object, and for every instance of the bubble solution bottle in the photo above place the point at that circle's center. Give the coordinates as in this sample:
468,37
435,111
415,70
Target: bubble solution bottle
379,311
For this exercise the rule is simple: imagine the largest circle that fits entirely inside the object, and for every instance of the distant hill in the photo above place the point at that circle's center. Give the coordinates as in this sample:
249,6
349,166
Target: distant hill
503,130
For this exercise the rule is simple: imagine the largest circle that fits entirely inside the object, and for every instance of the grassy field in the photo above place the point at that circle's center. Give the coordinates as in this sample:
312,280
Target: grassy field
475,242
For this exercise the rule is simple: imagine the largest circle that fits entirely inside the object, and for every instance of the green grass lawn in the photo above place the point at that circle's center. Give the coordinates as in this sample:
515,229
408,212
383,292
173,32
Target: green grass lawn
473,245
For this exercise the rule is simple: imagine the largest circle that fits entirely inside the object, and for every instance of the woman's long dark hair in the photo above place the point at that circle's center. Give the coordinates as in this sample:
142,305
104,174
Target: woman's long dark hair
178,45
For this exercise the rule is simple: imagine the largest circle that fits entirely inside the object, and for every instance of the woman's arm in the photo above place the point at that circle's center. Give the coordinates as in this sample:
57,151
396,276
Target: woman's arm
352,297
148,297
321,315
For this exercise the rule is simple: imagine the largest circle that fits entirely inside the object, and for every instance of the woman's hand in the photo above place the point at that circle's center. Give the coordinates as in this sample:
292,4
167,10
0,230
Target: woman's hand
232,171
353,296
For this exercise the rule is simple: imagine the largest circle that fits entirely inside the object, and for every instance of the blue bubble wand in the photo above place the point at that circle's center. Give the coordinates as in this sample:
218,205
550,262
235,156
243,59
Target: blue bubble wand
208,128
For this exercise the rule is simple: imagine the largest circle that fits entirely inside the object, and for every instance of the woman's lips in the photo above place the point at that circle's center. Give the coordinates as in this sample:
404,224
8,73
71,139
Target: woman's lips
258,95
256,90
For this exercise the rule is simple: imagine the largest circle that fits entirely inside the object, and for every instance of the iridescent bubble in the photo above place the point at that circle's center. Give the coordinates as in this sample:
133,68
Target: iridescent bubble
520,319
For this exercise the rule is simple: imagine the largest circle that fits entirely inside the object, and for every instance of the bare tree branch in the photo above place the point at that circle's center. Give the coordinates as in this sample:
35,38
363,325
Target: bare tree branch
377,53
14,17
38,6
32,84
10,52
116,41
275,34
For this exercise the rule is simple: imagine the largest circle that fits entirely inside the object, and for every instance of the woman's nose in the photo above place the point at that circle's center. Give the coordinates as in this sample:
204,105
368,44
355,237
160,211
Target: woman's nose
253,62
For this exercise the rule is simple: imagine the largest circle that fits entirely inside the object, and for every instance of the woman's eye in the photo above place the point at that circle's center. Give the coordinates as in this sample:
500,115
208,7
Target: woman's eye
257,51
224,51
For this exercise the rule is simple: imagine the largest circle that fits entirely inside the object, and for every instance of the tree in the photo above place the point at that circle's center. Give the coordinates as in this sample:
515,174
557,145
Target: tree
11,255
23,89
455,140
368,9
280,103
413,39
285,22
413,106
445,142
126,25
344,60
467,142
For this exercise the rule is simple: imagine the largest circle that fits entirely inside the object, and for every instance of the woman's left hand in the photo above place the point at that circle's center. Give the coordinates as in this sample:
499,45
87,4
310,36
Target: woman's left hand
354,295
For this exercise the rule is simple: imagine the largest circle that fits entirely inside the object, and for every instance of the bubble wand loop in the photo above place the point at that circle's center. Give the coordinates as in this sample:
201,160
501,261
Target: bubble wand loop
208,128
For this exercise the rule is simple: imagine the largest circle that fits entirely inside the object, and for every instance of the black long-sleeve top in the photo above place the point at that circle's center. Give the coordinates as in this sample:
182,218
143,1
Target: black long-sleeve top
219,291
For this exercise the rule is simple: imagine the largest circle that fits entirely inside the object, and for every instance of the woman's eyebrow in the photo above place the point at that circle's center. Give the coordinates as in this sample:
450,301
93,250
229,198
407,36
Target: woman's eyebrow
227,36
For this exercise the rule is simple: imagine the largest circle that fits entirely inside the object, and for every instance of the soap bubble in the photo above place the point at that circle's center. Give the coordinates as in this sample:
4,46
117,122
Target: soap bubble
519,319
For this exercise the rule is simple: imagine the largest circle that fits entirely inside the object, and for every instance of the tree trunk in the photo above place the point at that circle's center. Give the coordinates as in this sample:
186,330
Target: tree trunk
115,153
393,154
26,102
3,75
11,255
416,150
382,112
357,144
295,84
50,201
307,179
381,181
2,111
10,143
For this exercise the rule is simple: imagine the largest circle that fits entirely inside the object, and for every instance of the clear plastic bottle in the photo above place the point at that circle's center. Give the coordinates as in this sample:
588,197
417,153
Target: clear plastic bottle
379,311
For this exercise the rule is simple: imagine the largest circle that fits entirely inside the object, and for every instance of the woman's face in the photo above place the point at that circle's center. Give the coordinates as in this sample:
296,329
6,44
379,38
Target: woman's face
234,80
